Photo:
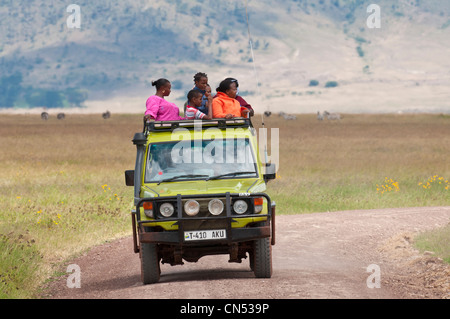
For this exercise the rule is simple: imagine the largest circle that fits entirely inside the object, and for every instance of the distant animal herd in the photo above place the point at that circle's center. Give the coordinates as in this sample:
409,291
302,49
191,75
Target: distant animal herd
320,116
328,115
61,116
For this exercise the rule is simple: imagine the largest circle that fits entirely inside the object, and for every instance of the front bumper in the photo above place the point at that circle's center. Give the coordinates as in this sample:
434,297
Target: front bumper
262,227
235,235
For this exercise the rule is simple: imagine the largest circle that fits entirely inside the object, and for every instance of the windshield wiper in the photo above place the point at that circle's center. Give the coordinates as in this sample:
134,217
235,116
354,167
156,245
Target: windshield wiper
180,176
230,174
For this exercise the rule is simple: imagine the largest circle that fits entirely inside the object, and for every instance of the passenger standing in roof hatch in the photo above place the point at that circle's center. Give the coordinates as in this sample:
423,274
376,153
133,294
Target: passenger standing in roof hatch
225,104
240,99
157,107
201,83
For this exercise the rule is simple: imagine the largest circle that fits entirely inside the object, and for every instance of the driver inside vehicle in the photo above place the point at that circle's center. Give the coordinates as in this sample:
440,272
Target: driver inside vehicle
159,162
210,160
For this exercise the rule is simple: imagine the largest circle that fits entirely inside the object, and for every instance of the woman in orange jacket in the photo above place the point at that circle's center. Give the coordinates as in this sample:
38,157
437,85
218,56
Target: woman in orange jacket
224,104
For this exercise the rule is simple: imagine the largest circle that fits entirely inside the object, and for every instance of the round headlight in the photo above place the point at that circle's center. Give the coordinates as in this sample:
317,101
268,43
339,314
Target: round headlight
240,206
191,207
215,207
166,209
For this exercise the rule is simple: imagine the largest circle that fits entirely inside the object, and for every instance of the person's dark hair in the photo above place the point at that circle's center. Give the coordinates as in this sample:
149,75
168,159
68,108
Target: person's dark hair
193,93
233,80
199,76
160,83
225,85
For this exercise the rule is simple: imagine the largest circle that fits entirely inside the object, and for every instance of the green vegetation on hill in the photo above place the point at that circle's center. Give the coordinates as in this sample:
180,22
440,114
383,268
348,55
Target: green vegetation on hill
13,94
124,45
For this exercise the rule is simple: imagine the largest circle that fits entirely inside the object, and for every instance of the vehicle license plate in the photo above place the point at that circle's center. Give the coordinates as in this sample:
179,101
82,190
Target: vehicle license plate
205,234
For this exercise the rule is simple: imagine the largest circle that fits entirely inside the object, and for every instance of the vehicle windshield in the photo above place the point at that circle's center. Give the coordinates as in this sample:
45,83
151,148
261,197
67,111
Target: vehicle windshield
200,160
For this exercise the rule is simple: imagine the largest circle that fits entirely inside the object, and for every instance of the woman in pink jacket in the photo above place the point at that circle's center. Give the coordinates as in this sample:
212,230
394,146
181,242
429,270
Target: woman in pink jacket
158,108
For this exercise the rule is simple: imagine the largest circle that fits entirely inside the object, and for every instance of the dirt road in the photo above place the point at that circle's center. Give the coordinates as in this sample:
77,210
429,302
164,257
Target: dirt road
323,255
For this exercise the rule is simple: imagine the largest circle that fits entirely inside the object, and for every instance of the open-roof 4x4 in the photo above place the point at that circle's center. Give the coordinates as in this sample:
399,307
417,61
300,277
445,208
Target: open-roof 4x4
199,189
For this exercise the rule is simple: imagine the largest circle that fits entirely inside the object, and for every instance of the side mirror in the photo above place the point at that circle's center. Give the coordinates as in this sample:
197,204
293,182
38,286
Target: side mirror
129,178
271,172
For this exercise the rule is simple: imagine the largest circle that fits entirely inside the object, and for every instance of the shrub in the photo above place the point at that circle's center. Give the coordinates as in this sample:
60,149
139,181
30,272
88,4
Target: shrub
313,83
360,51
331,84
360,39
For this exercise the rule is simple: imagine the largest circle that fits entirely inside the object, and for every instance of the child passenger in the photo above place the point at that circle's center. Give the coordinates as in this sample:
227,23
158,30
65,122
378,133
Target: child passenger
194,103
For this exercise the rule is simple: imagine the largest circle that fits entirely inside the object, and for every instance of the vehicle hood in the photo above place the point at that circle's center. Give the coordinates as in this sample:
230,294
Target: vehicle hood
248,185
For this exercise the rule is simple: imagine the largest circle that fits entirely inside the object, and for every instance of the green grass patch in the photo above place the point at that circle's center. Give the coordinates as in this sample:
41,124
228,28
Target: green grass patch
19,266
436,241
57,222
355,194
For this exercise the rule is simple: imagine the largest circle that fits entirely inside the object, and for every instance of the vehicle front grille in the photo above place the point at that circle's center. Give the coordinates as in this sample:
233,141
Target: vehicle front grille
204,224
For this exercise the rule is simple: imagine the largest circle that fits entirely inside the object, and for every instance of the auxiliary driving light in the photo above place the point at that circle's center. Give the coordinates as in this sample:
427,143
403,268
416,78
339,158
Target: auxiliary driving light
166,209
191,207
215,207
240,206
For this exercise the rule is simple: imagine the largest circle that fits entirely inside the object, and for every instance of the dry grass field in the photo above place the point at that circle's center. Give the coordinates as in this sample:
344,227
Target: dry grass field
327,166
62,181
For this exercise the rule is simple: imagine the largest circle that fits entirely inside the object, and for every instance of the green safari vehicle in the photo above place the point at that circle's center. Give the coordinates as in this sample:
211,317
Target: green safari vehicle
199,189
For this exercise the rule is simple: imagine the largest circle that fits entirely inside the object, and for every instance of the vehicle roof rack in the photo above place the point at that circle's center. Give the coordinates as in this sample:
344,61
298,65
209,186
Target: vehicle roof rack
170,126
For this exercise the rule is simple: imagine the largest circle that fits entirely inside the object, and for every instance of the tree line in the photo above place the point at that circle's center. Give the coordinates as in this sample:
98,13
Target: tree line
14,94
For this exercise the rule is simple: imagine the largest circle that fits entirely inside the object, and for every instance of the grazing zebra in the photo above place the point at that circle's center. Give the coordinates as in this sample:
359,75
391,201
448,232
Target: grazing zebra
332,116
106,115
287,116
61,116
44,116
319,116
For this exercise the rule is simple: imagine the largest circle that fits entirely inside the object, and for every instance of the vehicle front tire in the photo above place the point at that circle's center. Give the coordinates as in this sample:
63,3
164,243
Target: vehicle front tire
262,258
150,268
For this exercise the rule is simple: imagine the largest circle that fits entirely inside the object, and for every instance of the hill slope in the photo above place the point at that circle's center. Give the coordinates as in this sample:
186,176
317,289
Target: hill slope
122,46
